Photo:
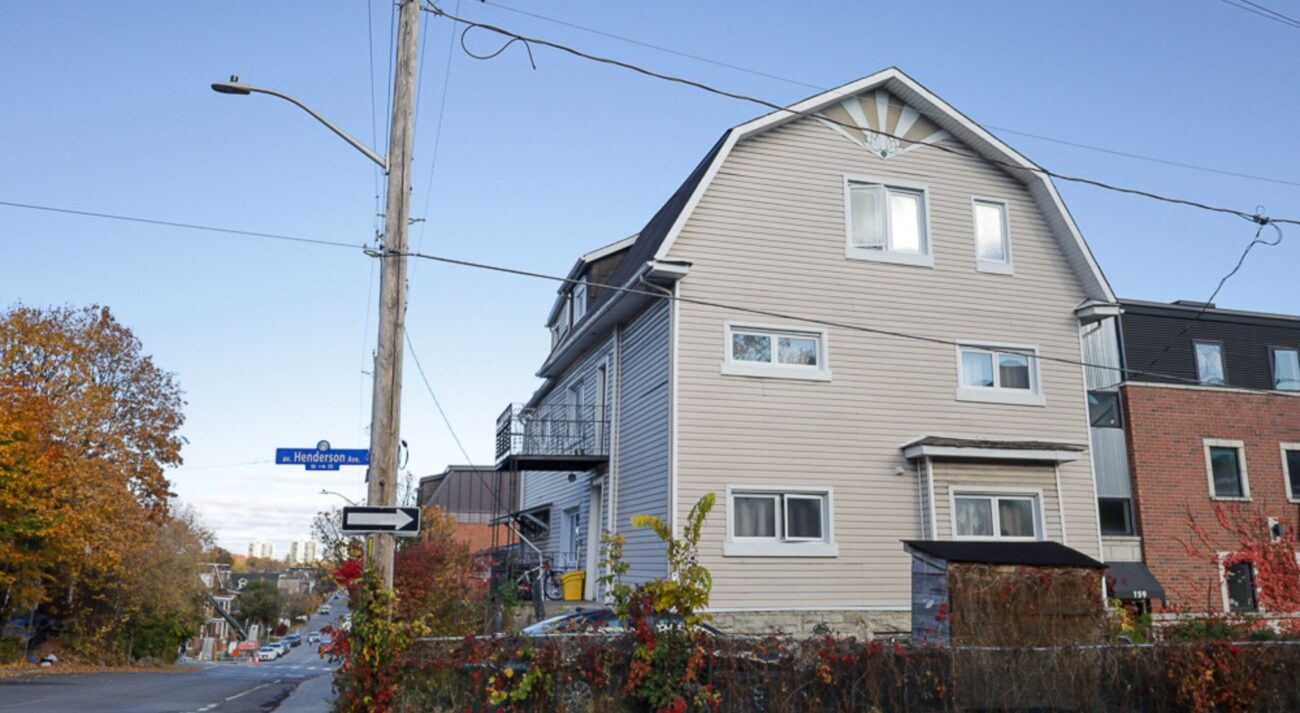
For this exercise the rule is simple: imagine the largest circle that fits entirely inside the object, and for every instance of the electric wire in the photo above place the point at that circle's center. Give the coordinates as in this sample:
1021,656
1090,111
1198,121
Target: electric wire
817,87
374,121
528,41
437,131
1263,12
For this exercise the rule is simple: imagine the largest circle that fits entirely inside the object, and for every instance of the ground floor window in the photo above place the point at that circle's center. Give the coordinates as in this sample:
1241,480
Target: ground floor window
775,520
996,516
1239,584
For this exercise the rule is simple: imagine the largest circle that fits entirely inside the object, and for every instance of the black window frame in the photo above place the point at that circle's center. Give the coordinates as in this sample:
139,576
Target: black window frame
1118,409
1232,577
1127,511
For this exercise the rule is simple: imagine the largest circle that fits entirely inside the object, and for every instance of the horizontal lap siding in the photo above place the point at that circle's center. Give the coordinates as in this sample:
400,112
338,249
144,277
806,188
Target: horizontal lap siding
643,438
968,476
769,234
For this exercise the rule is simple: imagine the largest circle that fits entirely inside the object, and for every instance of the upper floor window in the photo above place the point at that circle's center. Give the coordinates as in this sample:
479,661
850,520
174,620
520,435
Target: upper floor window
779,521
1103,409
887,222
1000,374
1286,369
989,516
1209,363
754,350
1291,469
992,237
1225,464
579,301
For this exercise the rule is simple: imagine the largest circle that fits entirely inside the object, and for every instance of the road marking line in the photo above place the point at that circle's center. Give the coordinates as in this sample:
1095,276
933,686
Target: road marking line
254,688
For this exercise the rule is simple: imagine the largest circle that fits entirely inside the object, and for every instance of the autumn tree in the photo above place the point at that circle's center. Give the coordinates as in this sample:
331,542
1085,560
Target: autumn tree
261,603
435,578
327,529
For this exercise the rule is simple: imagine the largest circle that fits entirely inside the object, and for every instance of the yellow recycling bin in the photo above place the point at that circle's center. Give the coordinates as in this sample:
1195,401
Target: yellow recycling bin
572,583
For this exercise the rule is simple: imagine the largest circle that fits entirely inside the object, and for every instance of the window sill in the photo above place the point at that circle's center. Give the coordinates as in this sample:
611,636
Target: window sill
996,268
771,371
1231,499
1000,396
896,258
780,549
975,538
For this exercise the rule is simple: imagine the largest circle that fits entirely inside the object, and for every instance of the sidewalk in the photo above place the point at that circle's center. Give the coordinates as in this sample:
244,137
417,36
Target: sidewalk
311,696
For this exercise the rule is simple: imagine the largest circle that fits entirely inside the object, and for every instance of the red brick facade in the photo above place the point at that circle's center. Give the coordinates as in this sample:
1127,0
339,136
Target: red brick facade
1167,427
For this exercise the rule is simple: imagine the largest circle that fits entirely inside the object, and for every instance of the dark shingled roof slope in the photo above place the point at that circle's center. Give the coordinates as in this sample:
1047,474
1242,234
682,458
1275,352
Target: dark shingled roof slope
1029,554
654,232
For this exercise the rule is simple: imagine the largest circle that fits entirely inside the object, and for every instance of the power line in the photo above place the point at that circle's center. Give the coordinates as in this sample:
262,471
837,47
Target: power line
1263,12
1033,168
817,87
799,318
374,128
437,131
187,226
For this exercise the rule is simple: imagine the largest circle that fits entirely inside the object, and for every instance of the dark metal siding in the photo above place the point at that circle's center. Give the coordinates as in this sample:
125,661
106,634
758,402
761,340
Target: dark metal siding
465,491
1247,360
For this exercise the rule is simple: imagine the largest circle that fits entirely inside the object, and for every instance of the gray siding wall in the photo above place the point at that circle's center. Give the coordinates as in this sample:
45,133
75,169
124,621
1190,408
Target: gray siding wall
1109,449
541,487
643,438
769,233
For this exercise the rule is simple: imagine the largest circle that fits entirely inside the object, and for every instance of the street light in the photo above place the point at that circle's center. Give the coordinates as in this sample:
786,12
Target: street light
234,86
341,495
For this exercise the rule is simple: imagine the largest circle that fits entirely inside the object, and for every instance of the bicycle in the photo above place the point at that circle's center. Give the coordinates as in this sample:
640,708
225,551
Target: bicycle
551,588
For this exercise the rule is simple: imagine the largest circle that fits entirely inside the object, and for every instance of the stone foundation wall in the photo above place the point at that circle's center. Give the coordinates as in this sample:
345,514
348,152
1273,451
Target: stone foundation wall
862,624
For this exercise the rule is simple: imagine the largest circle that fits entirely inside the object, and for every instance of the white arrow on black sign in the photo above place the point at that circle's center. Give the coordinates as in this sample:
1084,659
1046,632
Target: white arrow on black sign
403,522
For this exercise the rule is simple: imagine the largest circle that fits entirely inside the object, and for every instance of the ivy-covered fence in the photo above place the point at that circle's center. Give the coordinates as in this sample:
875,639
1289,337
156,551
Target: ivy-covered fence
599,673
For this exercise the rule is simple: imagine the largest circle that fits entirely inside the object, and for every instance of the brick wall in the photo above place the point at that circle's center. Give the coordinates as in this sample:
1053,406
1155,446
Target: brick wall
1166,432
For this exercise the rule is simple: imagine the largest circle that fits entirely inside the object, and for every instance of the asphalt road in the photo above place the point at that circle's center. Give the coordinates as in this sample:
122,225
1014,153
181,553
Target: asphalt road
197,688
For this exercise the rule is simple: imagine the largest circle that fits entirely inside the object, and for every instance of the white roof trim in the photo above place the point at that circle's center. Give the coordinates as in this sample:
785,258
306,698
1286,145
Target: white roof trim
962,128
1053,456
610,249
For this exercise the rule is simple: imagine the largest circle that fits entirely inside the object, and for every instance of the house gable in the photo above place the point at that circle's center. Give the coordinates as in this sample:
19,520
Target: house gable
886,125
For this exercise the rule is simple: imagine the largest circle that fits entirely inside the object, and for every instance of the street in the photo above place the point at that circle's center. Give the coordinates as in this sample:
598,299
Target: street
194,688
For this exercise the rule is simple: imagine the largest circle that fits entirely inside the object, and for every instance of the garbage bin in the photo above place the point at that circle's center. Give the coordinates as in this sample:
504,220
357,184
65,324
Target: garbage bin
572,583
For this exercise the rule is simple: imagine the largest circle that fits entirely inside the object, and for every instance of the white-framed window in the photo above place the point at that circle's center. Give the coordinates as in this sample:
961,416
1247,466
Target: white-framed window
998,373
1286,368
992,235
1291,470
996,515
780,521
788,353
560,327
579,301
1239,586
1209,363
887,221
1225,466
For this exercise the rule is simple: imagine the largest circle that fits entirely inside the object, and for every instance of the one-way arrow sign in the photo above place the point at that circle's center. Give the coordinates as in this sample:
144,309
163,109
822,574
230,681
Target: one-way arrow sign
403,522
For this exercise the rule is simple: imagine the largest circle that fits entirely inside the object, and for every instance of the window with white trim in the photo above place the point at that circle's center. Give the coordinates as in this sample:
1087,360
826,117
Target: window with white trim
983,516
1209,363
1002,374
1291,469
778,521
1286,369
1239,587
579,301
1225,465
992,236
887,222
764,351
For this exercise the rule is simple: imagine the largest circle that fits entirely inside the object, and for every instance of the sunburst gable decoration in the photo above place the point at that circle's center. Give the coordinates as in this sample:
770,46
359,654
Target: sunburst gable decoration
882,120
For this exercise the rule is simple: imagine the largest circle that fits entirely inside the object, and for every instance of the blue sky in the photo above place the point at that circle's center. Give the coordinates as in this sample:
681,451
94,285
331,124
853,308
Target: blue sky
106,107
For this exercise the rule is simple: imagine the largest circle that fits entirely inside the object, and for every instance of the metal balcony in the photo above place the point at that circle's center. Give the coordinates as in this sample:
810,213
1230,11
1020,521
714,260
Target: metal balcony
560,436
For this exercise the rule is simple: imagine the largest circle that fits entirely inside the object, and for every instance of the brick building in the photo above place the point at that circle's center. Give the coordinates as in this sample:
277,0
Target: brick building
1213,445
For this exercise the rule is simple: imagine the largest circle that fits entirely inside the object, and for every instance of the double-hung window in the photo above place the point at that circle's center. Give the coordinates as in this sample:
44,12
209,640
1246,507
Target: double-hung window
776,521
1225,464
998,374
992,237
1209,363
887,222
1286,369
753,350
979,516
579,301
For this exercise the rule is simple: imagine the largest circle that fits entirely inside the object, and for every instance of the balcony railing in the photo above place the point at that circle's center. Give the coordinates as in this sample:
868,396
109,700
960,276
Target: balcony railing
559,436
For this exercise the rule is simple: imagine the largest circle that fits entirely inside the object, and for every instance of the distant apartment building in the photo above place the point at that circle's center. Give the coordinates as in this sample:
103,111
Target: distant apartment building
302,552
261,549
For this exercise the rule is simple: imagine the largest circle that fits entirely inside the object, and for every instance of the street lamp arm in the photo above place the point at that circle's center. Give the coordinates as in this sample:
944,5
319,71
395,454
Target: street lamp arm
341,495
234,87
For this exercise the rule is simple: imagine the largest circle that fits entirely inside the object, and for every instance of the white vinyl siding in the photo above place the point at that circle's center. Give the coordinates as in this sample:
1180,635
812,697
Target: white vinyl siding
769,233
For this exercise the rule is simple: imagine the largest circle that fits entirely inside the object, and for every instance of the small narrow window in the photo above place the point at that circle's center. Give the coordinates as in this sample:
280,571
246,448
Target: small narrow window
759,351
1286,369
1227,472
1240,582
1291,464
887,223
1209,363
1116,516
579,301
996,516
992,238
1103,409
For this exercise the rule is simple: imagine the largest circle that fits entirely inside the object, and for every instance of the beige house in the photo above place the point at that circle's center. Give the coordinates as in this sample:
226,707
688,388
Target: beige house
869,296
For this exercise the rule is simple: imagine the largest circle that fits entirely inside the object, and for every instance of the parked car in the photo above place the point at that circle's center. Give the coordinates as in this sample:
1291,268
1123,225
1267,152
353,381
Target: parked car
293,640
313,637
282,646
269,652
325,610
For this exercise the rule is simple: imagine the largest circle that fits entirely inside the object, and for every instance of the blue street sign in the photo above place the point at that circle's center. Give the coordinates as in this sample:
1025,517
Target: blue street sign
322,457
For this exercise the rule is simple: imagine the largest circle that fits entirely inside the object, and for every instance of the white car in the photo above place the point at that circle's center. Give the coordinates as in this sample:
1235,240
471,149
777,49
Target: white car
283,646
270,652
313,638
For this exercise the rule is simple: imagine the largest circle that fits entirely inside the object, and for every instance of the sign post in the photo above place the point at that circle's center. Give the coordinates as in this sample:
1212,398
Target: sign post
398,521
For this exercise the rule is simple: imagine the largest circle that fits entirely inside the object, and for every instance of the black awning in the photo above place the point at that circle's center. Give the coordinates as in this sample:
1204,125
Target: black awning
1031,554
1132,580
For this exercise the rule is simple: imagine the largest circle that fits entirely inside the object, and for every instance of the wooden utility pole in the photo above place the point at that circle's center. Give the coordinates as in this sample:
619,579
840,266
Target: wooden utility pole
386,404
